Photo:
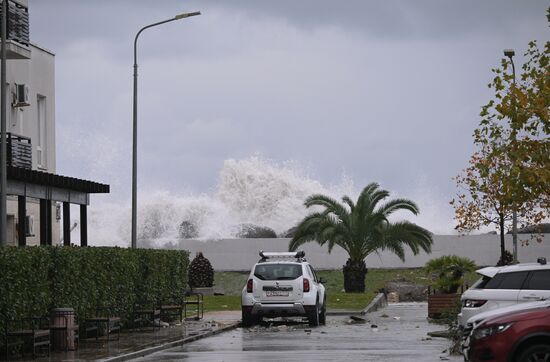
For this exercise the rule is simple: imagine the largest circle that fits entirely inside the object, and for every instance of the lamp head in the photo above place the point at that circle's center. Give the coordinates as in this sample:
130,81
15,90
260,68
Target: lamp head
186,15
509,52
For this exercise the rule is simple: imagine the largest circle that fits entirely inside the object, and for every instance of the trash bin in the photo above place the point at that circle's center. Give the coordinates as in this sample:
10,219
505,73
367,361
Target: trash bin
63,328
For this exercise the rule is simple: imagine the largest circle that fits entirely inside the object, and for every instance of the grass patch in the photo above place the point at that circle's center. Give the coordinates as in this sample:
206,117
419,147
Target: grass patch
233,282
214,303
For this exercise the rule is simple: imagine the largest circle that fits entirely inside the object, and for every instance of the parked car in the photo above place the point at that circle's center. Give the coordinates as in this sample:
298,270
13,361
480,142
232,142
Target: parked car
522,336
503,286
477,319
283,284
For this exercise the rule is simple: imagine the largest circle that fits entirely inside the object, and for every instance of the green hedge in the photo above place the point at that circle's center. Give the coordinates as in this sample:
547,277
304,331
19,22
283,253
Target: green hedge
35,279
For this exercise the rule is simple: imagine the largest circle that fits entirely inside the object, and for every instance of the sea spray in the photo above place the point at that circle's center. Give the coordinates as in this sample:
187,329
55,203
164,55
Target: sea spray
253,191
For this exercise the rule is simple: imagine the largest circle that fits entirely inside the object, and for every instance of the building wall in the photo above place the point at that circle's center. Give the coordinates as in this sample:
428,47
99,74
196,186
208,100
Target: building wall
38,73
241,254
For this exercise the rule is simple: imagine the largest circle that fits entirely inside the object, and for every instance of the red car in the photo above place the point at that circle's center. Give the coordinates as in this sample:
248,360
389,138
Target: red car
521,336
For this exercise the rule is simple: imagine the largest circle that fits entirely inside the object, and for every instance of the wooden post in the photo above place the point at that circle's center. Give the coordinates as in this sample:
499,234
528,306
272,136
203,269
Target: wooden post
45,222
83,225
22,224
66,224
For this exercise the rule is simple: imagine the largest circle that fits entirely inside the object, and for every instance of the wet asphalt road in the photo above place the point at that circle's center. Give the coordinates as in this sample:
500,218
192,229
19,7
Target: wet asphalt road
395,333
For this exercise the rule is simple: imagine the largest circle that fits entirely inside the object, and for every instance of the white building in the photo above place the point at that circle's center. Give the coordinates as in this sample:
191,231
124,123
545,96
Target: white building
35,193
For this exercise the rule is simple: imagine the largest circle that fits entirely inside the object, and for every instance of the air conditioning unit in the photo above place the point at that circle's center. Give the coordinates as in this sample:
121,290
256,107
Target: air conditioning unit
29,225
21,95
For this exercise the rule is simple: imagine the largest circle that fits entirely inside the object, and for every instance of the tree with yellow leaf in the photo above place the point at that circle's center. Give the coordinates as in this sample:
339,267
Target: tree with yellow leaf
510,170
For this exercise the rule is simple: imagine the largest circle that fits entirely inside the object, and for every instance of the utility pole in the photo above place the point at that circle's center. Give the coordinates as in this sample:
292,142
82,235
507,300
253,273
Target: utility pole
3,115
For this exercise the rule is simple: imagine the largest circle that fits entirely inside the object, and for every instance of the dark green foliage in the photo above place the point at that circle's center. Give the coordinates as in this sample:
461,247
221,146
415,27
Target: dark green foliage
24,284
449,271
35,279
543,228
201,273
506,259
249,231
188,230
361,228
289,233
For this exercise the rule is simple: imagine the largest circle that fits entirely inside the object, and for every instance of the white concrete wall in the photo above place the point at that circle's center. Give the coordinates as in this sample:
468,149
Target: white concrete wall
240,254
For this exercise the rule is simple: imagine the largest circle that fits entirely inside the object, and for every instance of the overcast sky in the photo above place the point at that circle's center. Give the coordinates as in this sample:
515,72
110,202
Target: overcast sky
386,91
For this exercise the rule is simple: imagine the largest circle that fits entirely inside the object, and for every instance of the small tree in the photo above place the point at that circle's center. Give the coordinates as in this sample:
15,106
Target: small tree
450,271
201,273
510,170
360,229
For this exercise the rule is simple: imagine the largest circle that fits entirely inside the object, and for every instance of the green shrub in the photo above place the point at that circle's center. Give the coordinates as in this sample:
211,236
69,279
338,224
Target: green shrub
35,279
449,271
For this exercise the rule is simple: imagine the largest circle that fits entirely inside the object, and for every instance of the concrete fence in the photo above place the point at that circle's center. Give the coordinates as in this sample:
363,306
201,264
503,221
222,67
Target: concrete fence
241,254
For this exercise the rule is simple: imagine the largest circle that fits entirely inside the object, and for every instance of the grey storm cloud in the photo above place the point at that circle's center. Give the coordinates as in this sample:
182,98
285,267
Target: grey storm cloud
386,91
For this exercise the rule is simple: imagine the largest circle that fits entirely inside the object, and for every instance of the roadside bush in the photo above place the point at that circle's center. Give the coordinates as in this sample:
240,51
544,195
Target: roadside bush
35,279
449,271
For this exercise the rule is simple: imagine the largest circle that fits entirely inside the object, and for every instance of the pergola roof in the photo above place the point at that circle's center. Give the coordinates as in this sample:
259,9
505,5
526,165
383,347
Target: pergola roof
53,180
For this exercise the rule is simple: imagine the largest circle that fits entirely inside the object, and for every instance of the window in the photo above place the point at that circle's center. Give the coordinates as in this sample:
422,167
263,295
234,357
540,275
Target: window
278,271
41,151
540,280
507,281
481,283
313,274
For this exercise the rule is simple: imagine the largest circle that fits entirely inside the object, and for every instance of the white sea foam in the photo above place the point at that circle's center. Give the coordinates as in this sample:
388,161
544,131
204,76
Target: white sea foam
254,191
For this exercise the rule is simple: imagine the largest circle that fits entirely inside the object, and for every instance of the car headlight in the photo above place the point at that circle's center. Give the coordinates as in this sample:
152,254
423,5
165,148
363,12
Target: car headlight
473,303
485,332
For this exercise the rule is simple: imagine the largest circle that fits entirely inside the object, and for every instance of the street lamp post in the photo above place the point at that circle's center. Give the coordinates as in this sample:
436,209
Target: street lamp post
134,142
510,54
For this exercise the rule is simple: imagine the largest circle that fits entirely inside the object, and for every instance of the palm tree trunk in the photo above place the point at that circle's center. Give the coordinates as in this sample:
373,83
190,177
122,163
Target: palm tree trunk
354,276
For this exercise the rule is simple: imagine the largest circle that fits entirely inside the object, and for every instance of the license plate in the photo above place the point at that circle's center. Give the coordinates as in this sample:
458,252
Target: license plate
276,293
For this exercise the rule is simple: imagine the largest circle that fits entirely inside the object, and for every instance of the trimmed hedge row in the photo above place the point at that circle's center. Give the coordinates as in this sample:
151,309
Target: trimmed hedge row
34,280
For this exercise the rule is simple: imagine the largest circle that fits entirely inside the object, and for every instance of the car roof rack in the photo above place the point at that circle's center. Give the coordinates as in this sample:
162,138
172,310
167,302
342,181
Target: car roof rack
298,255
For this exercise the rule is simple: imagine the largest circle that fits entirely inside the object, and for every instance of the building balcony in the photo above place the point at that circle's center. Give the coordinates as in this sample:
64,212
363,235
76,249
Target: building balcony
17,44
19,151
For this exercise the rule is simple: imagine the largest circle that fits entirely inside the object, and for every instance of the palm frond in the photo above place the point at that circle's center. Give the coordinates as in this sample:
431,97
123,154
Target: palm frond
329,203
415,237
349,202
398,204
363,227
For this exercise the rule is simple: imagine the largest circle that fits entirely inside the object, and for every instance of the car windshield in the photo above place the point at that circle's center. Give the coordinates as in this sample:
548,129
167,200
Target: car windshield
278,271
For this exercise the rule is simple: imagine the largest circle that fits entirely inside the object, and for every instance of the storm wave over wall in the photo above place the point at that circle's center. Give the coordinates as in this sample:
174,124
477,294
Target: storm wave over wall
252,193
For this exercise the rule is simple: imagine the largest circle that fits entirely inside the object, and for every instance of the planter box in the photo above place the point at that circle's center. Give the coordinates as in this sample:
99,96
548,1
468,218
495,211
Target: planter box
440,303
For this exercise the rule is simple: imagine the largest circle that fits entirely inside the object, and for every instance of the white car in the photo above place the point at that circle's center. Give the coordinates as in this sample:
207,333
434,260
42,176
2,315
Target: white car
477,319
504,286
283,284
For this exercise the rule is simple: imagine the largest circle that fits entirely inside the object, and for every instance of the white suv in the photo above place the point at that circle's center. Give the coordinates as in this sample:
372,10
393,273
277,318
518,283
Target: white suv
283,284
504,286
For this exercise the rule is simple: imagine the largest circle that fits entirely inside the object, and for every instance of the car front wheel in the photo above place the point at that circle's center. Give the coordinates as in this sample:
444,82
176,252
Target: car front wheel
536,353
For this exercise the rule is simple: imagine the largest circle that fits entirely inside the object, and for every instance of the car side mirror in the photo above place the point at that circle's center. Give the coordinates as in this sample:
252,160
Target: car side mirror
322,280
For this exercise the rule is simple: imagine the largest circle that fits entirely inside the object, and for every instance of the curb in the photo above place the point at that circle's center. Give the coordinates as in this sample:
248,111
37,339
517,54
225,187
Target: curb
179,342
344,312
378,302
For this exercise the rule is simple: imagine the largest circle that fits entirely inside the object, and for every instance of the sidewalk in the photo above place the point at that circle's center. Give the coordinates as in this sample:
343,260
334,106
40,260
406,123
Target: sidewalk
135,344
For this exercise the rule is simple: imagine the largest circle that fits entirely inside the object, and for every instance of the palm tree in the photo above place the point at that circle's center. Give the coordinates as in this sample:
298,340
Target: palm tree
361,229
